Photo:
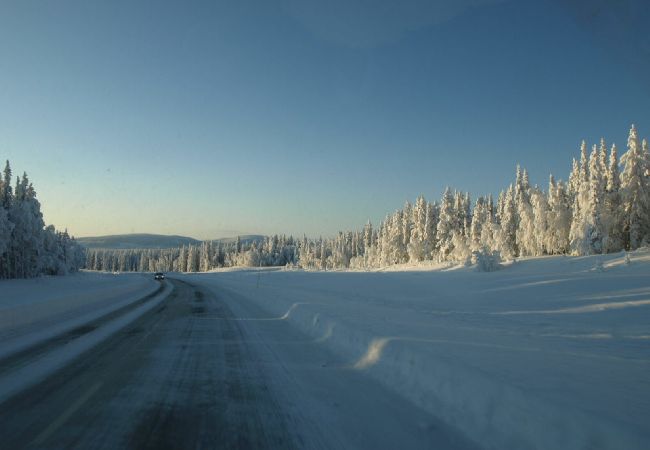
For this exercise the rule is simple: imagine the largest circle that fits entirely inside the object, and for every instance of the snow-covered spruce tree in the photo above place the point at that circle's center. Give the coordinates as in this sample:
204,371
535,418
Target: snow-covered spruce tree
594,229
446,226
539,204
192,259
611,214
6,227
183,259
417,247
405,232
479,218
506,241
341,251
558,218
635,188
525,219
27,236
490,228
205,256
430,227
580,197
392,246
368,235
462,208
461,252
646,156
602,159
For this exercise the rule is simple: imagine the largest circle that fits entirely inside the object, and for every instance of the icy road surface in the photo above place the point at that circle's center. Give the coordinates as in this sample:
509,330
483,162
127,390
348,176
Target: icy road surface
196,373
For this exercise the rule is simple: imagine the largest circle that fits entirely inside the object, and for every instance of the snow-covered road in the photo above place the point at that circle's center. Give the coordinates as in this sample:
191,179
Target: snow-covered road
546,353
194,373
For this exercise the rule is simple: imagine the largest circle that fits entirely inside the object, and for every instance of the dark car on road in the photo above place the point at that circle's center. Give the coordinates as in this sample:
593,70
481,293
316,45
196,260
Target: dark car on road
159,276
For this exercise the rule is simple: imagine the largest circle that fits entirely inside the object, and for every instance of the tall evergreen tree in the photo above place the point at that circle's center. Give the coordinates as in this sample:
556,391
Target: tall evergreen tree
447,223
636,193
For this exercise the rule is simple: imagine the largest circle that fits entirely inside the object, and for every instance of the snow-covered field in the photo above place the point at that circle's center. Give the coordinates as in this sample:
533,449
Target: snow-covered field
549,352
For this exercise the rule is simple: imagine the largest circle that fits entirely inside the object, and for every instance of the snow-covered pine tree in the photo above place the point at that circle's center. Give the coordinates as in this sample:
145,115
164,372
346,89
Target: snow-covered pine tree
646,156
6,226
579,244
602,158
431,224
446,225
539,204
27,236
490,227
525,219
479,219
417,247
367,235
612,216
559,218
636,193
405,232
507,236
6,193
594,230
573,185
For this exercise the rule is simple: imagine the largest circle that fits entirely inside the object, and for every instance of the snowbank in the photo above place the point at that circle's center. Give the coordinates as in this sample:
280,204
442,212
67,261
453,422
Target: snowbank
546,353
26,375
38,309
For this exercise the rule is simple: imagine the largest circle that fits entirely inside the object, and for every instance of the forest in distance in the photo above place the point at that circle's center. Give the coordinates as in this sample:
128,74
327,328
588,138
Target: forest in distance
603,207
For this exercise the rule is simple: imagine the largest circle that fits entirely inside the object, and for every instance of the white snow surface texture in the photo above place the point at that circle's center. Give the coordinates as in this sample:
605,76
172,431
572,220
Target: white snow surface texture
548,353
34,310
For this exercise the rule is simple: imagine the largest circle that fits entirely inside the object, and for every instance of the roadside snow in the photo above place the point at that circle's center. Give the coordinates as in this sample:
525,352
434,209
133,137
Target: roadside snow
38,309
547,353
23,377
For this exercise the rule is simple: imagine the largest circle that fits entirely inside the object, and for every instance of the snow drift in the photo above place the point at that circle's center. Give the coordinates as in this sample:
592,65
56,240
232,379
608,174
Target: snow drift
547,353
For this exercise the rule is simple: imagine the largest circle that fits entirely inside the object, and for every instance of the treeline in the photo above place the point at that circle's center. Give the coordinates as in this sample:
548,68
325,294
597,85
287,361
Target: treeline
27,247
272,251
603,207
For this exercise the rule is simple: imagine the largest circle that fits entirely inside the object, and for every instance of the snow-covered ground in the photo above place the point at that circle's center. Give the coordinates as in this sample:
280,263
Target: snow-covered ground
547,353
38,312
37,309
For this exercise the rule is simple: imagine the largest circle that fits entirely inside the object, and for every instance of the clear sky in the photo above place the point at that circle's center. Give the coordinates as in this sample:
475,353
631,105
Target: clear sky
210,119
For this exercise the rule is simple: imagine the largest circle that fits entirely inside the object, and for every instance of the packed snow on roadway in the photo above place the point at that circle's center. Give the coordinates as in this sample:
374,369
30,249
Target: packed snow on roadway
550,352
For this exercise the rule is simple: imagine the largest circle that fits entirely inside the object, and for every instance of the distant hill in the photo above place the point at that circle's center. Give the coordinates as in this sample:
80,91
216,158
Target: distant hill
143,240
131,241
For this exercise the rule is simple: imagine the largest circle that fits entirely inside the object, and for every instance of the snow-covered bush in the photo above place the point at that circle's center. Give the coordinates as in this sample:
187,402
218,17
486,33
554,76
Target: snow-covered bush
486,260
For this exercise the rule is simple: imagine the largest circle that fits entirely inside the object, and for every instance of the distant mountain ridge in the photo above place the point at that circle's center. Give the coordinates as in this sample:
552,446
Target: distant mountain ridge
145,241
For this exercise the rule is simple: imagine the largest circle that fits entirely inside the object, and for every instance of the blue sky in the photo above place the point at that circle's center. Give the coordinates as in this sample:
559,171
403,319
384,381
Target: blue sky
211,119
